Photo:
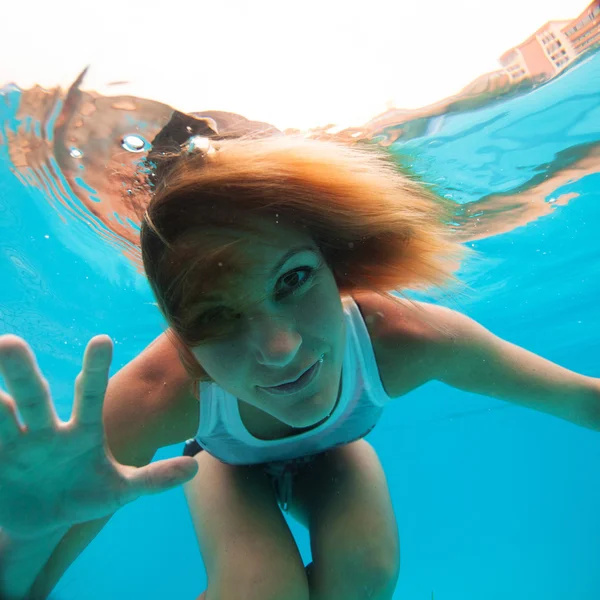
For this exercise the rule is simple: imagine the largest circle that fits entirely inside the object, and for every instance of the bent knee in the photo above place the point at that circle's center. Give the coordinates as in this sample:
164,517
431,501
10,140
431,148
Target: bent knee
373,572
379,578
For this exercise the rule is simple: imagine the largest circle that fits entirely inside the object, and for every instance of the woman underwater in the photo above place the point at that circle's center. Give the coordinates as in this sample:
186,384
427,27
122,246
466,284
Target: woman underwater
271,260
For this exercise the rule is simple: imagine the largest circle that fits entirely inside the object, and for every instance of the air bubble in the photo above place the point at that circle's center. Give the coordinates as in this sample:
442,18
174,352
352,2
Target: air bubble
133,143
75,153
199,142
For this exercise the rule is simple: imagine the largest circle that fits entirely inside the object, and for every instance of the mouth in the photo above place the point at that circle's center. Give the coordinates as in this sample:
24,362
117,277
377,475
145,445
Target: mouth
299,384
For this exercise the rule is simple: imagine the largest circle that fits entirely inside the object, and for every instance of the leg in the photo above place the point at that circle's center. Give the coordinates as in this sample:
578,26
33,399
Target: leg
247,548
343,499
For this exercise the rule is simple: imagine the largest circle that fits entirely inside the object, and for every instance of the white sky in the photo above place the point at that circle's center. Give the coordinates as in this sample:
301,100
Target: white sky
294,64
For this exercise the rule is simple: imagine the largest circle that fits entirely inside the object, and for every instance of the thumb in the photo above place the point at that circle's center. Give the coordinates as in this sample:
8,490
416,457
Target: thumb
161,476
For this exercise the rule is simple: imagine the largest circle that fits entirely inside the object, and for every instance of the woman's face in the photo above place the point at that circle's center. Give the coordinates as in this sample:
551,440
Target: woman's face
296,320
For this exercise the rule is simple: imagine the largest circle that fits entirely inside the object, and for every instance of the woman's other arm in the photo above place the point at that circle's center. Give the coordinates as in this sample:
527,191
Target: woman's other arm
148,404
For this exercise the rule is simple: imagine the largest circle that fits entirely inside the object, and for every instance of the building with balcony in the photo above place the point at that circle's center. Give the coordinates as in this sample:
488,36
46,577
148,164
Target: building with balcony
541,56
583,32
553,47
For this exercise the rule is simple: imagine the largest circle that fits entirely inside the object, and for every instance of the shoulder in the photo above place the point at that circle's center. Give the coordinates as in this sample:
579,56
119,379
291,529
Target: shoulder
408,338
150,404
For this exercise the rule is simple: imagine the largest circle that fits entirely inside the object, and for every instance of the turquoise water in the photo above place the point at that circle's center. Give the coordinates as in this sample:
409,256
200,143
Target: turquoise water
493,501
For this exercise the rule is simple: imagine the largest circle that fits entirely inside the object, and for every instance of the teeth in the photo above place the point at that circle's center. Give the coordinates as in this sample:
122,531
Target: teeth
300,383
292,383
283,385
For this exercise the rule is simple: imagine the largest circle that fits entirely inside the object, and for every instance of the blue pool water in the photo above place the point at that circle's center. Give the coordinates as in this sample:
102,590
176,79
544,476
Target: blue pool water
493,501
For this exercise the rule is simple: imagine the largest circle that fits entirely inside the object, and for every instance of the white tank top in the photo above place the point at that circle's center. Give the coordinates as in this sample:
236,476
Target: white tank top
222,432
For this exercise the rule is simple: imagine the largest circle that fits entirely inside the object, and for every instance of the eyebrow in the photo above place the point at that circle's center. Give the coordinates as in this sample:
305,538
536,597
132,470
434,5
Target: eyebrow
209,299
289,255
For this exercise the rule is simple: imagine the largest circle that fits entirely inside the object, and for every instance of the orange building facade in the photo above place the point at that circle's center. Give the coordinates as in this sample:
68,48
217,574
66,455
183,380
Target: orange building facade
584,31
553,46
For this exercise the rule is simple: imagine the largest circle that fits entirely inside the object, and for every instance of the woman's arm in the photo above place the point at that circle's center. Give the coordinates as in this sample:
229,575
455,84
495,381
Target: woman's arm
441,344
21,561
148,404
475,360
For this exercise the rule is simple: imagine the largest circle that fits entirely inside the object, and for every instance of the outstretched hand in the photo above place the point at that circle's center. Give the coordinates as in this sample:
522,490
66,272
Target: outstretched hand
54,473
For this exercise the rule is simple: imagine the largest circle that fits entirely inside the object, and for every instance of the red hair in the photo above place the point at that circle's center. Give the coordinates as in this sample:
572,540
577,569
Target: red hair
377,228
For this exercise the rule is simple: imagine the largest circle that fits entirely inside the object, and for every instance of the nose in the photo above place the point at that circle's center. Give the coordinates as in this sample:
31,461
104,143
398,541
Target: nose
275,340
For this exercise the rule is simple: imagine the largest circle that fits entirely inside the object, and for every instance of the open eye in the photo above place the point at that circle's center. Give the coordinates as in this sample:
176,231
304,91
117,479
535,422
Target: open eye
222,317
295,279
